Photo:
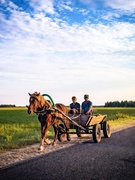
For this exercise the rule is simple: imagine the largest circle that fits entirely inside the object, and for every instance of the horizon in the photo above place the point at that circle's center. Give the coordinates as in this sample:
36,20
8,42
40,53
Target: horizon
99,105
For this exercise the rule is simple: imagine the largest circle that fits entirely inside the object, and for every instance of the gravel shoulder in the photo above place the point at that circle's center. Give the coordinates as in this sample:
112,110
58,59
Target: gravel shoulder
17,155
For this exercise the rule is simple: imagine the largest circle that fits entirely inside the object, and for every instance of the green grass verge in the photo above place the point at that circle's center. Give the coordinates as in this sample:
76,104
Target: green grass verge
18,129
117,116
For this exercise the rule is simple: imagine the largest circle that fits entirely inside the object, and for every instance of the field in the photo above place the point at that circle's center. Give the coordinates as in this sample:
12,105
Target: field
18,129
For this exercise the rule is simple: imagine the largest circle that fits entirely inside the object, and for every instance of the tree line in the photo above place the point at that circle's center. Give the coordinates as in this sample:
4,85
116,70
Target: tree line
120,104
107,104
7,105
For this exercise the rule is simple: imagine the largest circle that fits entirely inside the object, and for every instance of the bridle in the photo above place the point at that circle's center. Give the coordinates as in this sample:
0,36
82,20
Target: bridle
32,101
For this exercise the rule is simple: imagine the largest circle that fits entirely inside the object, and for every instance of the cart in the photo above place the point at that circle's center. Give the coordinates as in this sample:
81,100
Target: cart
86,124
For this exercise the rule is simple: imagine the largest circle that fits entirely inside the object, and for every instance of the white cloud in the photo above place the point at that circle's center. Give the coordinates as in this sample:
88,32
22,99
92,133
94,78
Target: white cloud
3,1
110,15
56,35
46,6
127,5
67,8
84,11
12,5
121,4
64,5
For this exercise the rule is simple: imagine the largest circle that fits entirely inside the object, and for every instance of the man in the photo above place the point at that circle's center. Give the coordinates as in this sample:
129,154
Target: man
87,105
75,106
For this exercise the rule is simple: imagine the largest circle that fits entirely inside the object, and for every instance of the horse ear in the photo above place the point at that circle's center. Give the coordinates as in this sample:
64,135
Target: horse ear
29,94
38,94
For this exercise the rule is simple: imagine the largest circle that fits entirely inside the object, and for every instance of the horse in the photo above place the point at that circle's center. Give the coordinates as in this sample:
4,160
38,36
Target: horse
48,116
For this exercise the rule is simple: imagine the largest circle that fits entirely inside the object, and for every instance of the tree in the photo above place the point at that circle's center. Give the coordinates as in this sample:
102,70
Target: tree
120,104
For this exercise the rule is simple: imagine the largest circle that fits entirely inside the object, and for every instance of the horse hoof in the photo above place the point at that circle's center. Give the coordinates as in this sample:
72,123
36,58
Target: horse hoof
47,141
41,148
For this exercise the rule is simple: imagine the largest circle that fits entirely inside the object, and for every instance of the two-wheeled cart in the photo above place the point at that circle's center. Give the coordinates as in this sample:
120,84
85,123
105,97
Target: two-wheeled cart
86,124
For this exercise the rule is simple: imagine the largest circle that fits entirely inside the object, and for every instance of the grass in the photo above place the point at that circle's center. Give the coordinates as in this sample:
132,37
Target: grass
117,116
18,129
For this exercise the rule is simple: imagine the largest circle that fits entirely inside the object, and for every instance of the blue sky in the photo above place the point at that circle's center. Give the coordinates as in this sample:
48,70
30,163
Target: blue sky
66,48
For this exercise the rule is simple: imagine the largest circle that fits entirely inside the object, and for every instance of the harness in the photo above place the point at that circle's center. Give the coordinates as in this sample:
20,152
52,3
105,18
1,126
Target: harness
48,111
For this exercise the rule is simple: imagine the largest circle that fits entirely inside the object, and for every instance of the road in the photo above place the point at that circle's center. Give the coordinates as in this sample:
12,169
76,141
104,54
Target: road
111,159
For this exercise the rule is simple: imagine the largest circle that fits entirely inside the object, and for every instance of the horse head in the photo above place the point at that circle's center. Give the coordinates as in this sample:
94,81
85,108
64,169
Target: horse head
37,103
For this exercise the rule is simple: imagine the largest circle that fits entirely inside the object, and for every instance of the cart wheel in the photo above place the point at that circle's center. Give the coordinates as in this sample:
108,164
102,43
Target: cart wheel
78,132
61,134
106,129
61,128
97,133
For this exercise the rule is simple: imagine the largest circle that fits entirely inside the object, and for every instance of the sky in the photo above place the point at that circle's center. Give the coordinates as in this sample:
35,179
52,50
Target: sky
67,48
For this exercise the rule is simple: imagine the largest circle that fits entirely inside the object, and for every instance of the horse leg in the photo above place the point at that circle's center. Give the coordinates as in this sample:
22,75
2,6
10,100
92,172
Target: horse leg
46,140
67,130
41,147
68,136
56,134
44,130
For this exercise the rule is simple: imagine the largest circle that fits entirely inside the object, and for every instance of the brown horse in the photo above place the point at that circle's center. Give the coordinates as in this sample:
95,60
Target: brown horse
47,116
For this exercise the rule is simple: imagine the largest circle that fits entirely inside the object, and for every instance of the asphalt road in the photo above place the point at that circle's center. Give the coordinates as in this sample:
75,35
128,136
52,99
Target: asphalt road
111,159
